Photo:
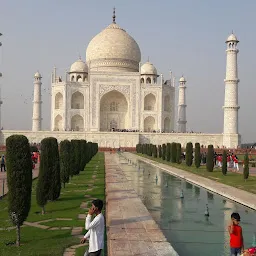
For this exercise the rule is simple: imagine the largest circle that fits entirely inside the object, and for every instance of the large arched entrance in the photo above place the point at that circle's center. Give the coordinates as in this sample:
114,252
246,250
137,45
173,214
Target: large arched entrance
113,111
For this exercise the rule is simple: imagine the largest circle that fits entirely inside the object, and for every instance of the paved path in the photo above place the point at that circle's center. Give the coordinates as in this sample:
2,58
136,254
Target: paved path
235,194
3,180
130,228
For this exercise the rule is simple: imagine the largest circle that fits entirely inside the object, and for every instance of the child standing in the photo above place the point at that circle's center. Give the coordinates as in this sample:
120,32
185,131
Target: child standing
236,235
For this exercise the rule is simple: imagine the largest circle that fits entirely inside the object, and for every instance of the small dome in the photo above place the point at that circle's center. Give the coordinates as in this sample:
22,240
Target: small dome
37,75
148,69
79,67
182,79
232,37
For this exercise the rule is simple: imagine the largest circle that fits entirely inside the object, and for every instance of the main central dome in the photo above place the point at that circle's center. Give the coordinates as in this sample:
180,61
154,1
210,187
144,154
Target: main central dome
113,49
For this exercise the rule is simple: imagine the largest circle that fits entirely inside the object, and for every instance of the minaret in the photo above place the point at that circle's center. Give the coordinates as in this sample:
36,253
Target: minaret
36,120
182,106
1,102
231,90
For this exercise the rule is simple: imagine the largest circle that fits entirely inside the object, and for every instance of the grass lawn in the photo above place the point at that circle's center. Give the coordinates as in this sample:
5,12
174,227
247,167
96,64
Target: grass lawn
36,241
231,179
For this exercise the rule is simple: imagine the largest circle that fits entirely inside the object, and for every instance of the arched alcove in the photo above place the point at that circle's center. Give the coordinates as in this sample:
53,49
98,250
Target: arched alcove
58,100
148,81
79,78
167,124
77,123
58,125
150,102
167,103
142,80
113,111
149,124
77,100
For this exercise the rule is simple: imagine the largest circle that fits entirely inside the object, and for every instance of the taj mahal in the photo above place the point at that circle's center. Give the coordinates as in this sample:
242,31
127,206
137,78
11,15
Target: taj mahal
115,100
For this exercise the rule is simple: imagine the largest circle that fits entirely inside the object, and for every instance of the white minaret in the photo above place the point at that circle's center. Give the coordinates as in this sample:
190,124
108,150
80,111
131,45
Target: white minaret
182,106
231,90
37,112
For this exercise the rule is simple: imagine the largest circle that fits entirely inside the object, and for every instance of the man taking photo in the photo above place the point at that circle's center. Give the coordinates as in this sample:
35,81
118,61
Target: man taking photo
95,229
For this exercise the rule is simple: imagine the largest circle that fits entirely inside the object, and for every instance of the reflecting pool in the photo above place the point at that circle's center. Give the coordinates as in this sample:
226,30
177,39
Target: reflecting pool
179,208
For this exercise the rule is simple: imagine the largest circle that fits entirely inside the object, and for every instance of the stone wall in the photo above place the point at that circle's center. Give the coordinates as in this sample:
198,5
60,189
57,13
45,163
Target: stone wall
127,139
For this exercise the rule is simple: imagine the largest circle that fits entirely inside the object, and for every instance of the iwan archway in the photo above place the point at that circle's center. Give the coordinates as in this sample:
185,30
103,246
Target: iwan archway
113,112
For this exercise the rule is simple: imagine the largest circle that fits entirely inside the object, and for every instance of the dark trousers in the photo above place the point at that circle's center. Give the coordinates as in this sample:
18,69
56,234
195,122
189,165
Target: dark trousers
3,166
98,253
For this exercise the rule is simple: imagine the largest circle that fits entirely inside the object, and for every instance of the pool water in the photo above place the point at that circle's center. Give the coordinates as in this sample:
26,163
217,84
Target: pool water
183,220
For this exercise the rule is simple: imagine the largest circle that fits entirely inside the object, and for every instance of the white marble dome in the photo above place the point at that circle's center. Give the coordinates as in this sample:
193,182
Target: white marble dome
232,37
182,79
148,69
37,75
113,50
79,67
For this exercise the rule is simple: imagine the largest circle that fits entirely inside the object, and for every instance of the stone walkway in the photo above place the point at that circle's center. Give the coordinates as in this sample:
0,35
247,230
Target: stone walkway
235,194
130,228
3,180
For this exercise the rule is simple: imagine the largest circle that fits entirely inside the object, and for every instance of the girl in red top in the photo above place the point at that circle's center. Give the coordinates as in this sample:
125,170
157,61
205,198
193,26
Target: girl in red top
236,235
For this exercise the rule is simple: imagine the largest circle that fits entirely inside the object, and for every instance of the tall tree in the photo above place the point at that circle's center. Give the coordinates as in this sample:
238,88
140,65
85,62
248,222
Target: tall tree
189,154
168,152
163,151
210,159
65,161
224,163
174,152
178,153
197,155
160,151
246,166
154,151
77,156
83,149
19,180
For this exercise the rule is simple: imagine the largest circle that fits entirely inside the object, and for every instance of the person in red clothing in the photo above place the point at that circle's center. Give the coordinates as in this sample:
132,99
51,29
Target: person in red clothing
236,235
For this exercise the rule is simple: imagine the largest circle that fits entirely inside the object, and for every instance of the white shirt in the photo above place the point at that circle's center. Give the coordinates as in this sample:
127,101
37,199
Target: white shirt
95,232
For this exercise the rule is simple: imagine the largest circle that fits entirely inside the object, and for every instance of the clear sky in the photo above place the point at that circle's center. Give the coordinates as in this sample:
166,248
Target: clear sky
185,36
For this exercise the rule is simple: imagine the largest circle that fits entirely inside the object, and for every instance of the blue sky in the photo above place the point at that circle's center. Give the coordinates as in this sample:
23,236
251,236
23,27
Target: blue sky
187,37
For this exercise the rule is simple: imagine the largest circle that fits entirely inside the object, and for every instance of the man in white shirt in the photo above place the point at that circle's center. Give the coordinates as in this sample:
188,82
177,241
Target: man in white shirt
95,229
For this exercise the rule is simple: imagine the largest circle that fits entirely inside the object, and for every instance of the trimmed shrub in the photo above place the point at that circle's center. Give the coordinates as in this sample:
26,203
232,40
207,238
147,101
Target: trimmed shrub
160,151
174,152
65,161
83,150
77,156
154,151
246,167
178,153
224,163
197,155
210,159
189,154
19,180
168,152
163,151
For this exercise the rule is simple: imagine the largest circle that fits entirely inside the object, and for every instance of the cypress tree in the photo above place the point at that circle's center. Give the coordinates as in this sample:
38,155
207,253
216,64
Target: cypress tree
224,163
154,151
168,152
77,156
83,152
19,180
189,154
174,152
197,155
163,151
246,166
89,151
65,161
72,159
159,151
210,159
178,153
54,167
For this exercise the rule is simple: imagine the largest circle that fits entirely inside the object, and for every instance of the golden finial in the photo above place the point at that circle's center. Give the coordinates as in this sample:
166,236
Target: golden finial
114,15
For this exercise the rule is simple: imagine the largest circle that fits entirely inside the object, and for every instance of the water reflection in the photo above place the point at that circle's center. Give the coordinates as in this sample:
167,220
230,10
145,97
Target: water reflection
182,219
